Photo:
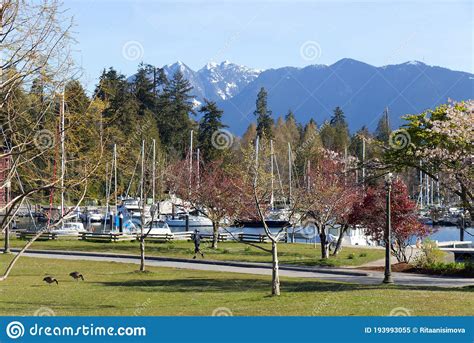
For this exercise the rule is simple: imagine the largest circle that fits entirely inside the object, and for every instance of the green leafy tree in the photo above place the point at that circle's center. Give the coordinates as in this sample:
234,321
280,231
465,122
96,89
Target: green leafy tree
439,142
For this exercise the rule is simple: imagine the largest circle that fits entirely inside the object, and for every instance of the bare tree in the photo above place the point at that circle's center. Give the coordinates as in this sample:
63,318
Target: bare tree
36,56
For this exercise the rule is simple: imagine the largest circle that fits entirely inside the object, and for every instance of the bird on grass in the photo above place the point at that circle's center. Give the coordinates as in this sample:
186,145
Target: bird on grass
50,280
76,276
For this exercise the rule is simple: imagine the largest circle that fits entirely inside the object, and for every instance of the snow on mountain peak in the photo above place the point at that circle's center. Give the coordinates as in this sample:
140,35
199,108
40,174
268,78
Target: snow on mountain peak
226,79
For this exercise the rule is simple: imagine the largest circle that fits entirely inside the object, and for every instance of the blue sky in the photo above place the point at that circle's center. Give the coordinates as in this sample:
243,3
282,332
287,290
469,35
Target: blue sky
270,34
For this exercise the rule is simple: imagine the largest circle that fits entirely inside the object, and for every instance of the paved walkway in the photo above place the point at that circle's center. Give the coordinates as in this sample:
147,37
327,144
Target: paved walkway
321,273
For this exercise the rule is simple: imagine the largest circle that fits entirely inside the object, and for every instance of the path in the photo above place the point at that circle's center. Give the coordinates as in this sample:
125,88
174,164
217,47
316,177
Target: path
321,273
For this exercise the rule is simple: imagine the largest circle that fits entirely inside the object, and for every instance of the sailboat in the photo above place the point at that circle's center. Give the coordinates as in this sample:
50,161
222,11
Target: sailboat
278,214
187,220
74,226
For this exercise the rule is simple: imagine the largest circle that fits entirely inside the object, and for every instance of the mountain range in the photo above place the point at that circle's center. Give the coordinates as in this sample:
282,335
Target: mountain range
363,91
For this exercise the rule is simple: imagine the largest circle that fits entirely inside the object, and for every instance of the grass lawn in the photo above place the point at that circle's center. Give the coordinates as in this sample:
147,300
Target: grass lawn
295,254
118,289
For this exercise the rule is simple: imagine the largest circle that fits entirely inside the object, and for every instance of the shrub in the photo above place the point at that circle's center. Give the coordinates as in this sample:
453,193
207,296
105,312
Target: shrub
351,256
363,254
429,255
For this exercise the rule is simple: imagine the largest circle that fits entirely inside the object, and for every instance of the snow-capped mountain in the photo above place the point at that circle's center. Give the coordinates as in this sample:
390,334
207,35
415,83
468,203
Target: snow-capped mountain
190,75
362,90
214,81
223,81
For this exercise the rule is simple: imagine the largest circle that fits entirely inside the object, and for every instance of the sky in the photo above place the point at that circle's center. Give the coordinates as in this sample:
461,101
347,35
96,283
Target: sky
269,34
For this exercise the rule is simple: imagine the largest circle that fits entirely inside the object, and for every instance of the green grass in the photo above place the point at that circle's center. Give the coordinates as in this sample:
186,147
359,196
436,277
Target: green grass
118,289
295,254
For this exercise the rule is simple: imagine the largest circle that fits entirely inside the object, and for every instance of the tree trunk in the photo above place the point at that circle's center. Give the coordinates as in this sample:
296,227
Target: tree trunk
142,253
275,270
215,234
324,243
7,240
344,229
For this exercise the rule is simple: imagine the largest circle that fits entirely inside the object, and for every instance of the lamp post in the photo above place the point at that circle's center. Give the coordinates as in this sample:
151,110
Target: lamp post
462,224
388,233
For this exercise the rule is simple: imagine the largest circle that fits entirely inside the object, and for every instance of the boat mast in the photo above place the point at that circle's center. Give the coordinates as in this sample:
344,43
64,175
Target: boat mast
142,179
427,195
256,162
63,156
154,172
289,172
106,194
115,175
271,170
307,175
363,162
198,157
190,160
420,197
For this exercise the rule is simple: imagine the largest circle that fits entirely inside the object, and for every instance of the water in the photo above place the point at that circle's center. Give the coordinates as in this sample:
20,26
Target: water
450,233
440,233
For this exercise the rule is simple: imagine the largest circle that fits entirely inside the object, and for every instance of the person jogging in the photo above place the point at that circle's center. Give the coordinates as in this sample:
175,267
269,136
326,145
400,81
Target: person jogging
197,243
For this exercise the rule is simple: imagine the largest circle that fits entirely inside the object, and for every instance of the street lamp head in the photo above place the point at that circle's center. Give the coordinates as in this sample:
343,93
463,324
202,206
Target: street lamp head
389,178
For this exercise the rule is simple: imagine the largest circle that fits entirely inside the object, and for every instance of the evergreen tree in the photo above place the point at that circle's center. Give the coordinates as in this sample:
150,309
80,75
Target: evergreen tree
208,126
338,117
176,104
383,130
292,129
144,91
356,145
264,116
337,136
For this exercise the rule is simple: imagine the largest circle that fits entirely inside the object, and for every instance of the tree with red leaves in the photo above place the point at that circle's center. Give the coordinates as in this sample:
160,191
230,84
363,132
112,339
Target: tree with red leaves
371,213
215,192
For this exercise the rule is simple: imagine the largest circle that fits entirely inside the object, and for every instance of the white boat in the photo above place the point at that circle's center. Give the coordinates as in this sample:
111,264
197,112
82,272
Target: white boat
194,222
70,229
357,236
92,216
158,227
131,210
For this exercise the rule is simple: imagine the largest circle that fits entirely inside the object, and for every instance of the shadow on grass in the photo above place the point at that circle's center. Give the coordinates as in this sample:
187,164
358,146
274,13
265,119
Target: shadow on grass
193,285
